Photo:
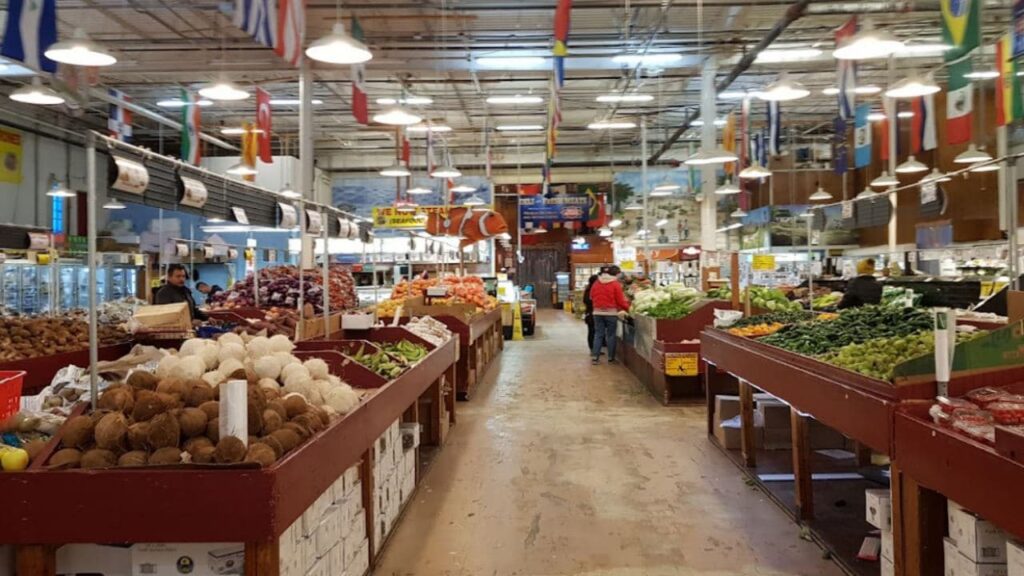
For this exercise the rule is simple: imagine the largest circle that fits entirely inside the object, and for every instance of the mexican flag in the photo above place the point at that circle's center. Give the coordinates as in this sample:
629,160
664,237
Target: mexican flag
191,150
1008,96
360,109
961,31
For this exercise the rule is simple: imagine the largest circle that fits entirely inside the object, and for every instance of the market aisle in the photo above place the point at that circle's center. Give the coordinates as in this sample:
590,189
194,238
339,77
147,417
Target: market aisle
560,467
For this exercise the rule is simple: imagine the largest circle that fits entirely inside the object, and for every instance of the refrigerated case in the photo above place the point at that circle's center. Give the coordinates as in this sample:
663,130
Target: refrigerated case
581,273
117,277
26,287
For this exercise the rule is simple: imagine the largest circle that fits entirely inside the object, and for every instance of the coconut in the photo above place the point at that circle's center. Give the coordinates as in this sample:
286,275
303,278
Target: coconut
281,343
271,421
259,347
147,405
200,393
299,429
310,420
191,367
204,454
269,384
98,458
330,412
213,430
229,351
34,448
230,366
288,439
209,354
211,409
317,367
164,431
133,458
192,347
301,386
230,338
167,367
78,432
294,405
342,398
319,412
267,367
118,399
260,453
138,436
174,387
165,456
143,380
278,406
213,378
334,380
112,431
229,450
192,445
66,458
192,421
286,358
169,401
273,443
294,372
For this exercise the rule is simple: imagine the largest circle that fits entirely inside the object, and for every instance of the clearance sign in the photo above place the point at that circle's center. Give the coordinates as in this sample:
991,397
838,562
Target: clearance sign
389,217
10,156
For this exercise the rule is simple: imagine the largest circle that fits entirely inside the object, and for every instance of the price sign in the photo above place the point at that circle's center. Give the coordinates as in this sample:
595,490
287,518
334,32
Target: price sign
763,263
240,216
131,176
681,364
38,240
193,192
314,225
289,217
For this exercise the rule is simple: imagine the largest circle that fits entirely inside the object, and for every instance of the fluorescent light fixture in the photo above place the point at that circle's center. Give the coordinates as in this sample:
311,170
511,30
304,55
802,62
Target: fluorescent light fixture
517,99
397,117
936,176
241,169
867,192
972,156
911,166
738,213
642,233
868,44
755,172
784,90
922,49
418,190
36,93
510,62
656,193
991,167
732,226
913,86
396,170
867,90
612,125
634,206
114,204
339,47
982,74
176,103
238,131
884,180
661,223
876,116
734,95
80,51
223,91
611,98
700,122
727,189
411,100
445,172
713,156
780,55
905,114
830,91
615,223
473,200
819,195
647,60
60,191
424,128
666,186
463,188
217,220
807,214
293,102
519,127
288,192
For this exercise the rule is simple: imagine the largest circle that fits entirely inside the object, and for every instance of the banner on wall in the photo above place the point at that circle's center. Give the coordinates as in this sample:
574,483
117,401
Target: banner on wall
560,208
10,153
389,217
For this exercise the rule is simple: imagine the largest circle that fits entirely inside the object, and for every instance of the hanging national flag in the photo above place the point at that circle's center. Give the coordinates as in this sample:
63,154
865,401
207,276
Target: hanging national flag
846,71
431,164
291,30
883,138
762,148
250,145
554,119
862,136
119,122
31,29
191,150
774,129
560,49
840,154
406,148
960,31
729,133
922,127
1008,93
264,124
258,18
360,108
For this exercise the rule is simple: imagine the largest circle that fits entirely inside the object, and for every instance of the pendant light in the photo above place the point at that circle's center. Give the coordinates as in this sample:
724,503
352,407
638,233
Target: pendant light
659,193
445,172
114,204
405,206
634,206
661,223
463,188
241,169
754,172
913,86
397,117
666,188
819,195
984,167
615,223
972,156
936,176
911,166
79,51
339,47
36,93
59,191
215,220
867,192
396,170
223,90
605,232
727,189
884,180
418,190
867,44
289,193
738,213
473,200
784,90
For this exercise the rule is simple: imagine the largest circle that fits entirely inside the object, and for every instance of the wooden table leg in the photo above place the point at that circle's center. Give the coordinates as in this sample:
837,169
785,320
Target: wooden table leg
263,558
35,560
449,392
918,524
709,394
802,465
748,445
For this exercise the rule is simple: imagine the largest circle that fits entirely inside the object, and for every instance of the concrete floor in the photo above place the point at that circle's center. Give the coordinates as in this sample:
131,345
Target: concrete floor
560,467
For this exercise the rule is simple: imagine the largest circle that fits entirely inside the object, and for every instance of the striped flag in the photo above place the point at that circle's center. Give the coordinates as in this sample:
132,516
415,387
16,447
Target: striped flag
250,146
922,126
729,133
846,71
258,18
862,136
119,123
291,30
31,29
774,129
1008,93
191,150
264,121
560,49
360,108
960,30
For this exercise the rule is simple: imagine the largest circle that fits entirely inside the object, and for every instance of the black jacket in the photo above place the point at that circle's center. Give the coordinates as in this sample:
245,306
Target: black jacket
171,294
587,302
860,291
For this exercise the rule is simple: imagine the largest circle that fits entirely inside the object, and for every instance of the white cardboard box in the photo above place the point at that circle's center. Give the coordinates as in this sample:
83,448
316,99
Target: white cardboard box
319,568
329,532
1015,558
213,559
878,508
950,558
361,562
887,567
357,526
336,559
977,539
87,559
887,544
968,568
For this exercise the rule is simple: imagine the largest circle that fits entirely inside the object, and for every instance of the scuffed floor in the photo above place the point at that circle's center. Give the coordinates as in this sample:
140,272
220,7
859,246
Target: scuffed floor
557,467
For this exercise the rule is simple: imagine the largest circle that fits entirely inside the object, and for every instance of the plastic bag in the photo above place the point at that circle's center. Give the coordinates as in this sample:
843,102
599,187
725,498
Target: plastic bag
726,318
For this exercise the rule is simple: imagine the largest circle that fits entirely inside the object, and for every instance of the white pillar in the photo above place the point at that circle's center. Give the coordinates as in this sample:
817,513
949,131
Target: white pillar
709,206
305,187
644,191
90,203
890,113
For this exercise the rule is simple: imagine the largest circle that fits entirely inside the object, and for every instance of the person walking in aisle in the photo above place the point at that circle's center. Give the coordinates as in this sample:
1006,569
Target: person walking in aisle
610,304
588,315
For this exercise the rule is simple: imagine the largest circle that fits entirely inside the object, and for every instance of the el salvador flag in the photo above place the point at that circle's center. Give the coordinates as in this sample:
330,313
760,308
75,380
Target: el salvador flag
31,29
258,18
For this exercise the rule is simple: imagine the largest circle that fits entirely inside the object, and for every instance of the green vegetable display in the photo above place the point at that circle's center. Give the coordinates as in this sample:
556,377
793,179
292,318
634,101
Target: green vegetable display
783,317
878,357
853,326
827,301
666,302
408,353
380,362
771,299
722,293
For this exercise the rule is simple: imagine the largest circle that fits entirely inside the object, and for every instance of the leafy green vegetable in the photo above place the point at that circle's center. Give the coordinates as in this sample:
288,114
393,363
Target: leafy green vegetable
853,326
783,317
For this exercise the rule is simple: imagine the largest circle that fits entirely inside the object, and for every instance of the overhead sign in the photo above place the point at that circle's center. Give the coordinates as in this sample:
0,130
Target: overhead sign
289,218
314,224
132,177
193,192
559,208
389,217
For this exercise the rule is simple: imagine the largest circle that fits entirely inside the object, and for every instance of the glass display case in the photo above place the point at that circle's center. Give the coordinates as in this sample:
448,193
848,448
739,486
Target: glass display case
26,287
33,288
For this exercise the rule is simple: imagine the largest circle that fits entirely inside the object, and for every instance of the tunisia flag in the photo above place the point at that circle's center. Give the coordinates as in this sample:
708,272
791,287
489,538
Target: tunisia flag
263,123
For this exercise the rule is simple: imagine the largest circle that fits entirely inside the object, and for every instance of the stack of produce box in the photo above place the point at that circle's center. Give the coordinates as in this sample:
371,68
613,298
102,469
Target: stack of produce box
878,513
975,547
394,475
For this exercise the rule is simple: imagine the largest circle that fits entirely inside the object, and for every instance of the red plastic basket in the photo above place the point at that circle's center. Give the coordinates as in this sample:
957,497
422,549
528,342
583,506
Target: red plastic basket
10,392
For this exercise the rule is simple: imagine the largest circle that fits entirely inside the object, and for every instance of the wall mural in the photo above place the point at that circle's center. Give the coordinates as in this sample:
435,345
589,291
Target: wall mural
678,214
361,195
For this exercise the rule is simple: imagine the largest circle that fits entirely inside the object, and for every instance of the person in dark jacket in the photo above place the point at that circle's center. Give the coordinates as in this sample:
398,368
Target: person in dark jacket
588,315
209,291
176,291
610,304
864,289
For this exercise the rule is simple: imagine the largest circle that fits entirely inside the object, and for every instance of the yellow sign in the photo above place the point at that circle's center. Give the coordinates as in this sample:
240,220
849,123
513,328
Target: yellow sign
627,265
681,364
763,263
517,322
389,217
10,156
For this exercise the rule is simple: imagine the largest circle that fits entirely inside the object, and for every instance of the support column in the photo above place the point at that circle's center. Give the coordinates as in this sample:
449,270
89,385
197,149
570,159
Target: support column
748,443
94,344
890,113
1010,193
644,192
305,183
708,207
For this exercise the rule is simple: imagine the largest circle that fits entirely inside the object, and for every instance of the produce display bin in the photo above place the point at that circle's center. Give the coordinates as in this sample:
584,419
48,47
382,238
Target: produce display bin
39,371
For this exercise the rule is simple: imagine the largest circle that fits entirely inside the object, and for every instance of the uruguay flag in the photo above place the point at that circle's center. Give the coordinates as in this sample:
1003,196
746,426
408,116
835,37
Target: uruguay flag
258,18
31,29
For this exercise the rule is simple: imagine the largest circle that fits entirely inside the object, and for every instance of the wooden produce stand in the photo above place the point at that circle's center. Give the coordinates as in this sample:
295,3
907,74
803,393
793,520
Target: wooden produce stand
864,410
665,354
197,503
39,371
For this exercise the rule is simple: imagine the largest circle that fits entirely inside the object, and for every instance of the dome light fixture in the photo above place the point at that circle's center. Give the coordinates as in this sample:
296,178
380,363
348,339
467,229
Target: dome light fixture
397,117
727,189
241,169
473,200
913,86
972,156
936,176
60,191
754,172
215,220
605,232
339,47
661,223
867,192
445,172
80,51
463,188
819,195
665,186
289,193
418,190
223,90
784,90
984,167
114,204
615,223
713,156
911,166
396,170
868,44
884,180
634,206
36,93
738,213
405,206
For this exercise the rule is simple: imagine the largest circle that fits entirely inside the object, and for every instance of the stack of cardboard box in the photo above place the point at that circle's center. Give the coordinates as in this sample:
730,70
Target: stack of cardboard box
394,475
878,513
975,547
727,423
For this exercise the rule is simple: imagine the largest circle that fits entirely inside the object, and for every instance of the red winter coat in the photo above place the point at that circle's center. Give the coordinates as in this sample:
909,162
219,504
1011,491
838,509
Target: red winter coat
607,296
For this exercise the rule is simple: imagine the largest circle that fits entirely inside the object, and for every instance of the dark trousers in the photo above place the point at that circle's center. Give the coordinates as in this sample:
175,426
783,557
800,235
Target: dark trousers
589,319
604,335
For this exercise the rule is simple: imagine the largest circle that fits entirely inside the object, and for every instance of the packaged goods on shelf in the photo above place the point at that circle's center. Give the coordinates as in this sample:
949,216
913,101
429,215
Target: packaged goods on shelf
977,413
1015,558
116,312
394,479
430,329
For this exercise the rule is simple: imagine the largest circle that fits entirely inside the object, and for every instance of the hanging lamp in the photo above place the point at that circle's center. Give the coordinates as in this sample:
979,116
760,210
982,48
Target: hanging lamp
727,189
396,170
397,117
114,204
80,51
463,188
913,86
984,167
710,157
884,180
634,206
868,43
867,192
784,89
445,172
241,169
60,191
911,166
36,93
754,172
738,213
972,156
339,47
819,195
473,200
936,176
418,190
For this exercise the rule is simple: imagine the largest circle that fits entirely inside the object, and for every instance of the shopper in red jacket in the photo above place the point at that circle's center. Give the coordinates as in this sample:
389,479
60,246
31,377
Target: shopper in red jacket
610,304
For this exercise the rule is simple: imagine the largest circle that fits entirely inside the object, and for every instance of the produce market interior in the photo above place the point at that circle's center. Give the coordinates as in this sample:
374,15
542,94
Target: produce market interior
602,287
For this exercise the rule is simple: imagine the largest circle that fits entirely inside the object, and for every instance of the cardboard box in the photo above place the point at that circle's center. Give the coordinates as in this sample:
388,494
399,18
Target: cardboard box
968,568
1015,558
821,437
329,532
726,407
950,558
978,540
878,508
336,560
98,559
213,559
778,438
361,562
357,527
775,415
410,435
887,567
887,544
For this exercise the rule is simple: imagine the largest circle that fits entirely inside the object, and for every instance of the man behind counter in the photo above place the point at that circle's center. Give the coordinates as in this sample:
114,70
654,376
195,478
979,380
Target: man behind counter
175,291
864,289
